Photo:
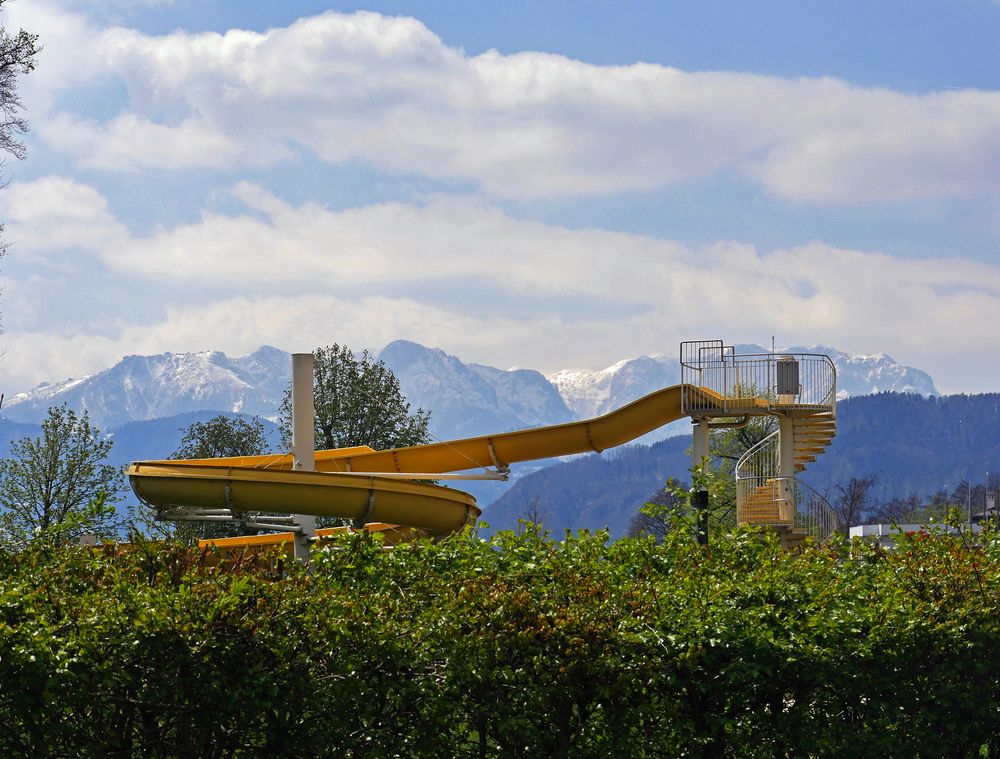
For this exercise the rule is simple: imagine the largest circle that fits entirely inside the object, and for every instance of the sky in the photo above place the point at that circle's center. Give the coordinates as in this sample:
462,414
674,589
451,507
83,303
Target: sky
546,185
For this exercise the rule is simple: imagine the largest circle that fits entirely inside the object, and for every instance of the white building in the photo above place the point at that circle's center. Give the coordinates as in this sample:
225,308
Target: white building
885,534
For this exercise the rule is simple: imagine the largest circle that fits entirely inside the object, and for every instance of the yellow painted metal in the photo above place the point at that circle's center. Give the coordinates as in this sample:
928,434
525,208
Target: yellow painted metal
392,535
266,483
612,429
371,499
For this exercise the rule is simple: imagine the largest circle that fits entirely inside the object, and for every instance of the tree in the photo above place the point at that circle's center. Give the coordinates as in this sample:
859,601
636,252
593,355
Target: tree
358,402
59,486
728,444
852,501
672,507
223,436
533,512
908,509
659,515
17,57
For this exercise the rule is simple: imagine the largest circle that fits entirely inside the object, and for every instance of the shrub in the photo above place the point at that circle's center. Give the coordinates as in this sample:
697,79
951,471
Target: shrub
516,646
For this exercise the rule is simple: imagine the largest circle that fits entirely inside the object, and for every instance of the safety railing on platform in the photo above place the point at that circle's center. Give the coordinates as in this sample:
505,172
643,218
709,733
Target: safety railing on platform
754,382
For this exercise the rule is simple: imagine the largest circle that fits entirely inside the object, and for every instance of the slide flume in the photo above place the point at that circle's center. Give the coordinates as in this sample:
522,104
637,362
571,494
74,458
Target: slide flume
345,483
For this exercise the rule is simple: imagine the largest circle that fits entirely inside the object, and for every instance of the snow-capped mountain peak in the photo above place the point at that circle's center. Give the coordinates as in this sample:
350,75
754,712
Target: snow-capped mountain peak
863,374
592,392
464,399
471,399
139,388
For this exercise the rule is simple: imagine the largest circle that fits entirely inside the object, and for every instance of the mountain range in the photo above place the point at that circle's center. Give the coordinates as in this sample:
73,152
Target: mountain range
141,388
464,399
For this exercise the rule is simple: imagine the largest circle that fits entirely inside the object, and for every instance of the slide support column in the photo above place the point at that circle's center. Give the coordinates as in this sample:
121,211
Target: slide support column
786,467
699,493
303,443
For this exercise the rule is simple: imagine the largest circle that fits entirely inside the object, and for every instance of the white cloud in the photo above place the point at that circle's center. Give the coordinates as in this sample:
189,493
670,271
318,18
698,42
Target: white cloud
900,147
387,91
446,274
125,144
55,213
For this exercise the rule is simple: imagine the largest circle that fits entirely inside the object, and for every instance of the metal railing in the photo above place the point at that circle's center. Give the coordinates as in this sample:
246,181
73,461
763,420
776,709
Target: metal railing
754,382
765,499
759,496
813,512
785,502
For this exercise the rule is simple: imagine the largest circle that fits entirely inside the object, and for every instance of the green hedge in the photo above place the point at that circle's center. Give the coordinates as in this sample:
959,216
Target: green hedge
519,646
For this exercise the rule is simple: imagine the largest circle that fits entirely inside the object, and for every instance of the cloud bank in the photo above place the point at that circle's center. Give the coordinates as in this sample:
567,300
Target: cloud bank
446,273
388,92
116,110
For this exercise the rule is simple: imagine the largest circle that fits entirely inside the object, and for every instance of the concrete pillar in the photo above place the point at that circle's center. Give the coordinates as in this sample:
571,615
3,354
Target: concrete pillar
786,466
699,450
699,495
303,442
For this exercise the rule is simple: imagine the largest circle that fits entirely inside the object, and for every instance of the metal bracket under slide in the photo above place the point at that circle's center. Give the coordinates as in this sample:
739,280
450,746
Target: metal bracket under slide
280,523
503,474
738,424
362,520
493,453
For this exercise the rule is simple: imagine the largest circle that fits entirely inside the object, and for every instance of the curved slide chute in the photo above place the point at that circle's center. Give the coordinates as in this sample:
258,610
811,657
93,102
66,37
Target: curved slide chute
362,499
345,483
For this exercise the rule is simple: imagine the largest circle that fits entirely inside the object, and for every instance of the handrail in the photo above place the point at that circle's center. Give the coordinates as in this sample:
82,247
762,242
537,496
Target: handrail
752,452
826,516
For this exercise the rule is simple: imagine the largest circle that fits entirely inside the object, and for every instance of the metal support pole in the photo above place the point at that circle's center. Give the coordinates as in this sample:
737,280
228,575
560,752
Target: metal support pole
699,499
968,499
303,442
699,494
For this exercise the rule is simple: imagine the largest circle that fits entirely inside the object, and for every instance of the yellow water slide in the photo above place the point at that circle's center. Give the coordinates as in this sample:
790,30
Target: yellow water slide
346,482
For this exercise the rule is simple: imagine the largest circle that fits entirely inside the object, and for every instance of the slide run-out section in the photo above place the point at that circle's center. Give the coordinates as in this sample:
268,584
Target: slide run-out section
346,483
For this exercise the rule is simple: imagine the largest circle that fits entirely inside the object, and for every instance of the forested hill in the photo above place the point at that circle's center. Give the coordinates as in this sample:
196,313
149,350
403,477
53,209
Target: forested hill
915,445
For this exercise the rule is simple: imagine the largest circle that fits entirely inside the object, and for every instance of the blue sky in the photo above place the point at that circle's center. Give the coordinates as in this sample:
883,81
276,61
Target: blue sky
534,184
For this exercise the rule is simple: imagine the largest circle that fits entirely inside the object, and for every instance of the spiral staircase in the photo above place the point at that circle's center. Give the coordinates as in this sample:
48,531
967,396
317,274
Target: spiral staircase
800,391
786,505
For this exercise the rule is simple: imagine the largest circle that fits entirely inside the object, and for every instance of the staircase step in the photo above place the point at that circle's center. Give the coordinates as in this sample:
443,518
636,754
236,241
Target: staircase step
762,517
